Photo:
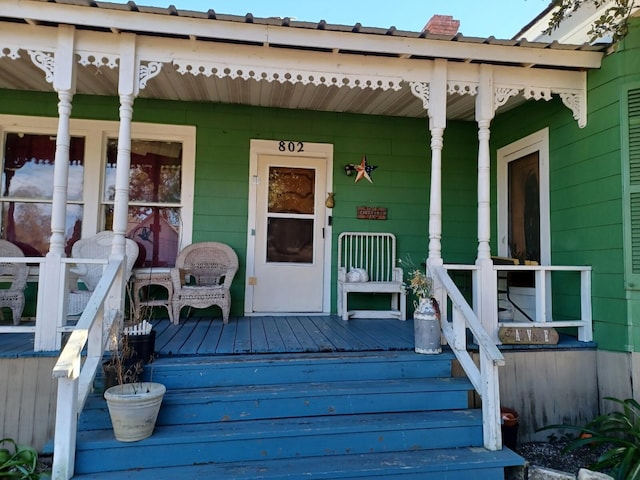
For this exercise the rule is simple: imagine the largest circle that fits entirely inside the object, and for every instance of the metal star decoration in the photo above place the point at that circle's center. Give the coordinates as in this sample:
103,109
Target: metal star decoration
364,170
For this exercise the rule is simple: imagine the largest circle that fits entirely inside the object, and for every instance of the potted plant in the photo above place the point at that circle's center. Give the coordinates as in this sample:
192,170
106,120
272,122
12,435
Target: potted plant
133,404
426,315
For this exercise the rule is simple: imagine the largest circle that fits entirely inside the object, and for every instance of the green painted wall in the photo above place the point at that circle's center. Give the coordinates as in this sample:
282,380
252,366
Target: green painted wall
586,190
399,147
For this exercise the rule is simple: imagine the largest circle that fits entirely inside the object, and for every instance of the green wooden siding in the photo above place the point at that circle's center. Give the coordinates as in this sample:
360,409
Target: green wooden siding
398,146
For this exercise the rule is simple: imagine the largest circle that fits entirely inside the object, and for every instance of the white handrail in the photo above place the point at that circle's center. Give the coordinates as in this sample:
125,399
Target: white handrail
483,377
75,377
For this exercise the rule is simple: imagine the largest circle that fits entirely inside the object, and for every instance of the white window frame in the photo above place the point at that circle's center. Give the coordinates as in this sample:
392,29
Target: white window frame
96,133
536,142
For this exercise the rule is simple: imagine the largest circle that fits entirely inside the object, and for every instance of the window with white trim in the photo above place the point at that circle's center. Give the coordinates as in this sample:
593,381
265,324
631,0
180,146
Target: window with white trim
161,184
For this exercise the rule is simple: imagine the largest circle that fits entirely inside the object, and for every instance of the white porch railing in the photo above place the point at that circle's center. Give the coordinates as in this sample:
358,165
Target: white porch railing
483,377
75,375
543,299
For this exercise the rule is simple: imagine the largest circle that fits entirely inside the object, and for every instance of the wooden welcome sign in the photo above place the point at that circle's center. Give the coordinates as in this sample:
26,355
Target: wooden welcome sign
528,335
371,213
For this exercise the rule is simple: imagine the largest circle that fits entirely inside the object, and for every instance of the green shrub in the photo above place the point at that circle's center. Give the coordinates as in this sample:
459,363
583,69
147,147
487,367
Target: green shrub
17,461
619,431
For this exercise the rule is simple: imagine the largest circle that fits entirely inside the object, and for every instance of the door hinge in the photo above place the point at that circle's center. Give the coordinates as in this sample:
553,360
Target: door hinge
252,281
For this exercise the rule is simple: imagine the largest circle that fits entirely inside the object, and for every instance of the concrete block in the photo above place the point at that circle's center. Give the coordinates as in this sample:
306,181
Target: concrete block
541,473
584,474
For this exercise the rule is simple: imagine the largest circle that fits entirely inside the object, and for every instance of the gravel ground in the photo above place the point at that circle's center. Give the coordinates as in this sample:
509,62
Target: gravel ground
551,455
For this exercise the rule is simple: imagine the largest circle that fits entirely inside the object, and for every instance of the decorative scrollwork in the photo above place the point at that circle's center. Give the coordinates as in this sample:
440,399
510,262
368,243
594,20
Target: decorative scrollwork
98,59
45,61
574,102
537,93
286,76
462,88
147,72
503,94
421,90
10,52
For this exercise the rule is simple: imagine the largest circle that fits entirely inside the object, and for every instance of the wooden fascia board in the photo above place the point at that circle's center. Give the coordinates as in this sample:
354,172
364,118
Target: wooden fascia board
295,37
169,50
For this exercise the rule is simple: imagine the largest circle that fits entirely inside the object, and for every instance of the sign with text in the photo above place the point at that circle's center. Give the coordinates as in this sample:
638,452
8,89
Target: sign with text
372,213
528,335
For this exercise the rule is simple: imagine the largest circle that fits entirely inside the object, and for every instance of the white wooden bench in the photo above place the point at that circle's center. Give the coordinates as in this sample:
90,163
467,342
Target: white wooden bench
375,253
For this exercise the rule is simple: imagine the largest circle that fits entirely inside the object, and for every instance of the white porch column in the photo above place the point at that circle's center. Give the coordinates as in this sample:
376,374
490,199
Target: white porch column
437,124
128,90
128,85
51,308
485,297
434,101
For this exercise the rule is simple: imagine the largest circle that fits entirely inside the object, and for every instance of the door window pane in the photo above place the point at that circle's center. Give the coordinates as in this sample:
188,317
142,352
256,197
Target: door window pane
290,240
291,190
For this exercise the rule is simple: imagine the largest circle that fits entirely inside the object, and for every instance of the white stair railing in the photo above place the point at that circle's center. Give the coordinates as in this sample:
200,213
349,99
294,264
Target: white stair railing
75,374
484,377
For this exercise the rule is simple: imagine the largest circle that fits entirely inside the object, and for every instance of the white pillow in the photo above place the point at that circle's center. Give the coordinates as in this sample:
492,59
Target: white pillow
357,275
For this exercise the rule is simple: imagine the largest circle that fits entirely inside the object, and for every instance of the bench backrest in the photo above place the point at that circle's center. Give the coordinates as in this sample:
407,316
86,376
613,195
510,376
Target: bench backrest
375,252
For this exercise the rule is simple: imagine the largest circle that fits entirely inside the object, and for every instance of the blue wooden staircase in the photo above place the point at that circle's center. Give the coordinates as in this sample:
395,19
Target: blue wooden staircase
292,416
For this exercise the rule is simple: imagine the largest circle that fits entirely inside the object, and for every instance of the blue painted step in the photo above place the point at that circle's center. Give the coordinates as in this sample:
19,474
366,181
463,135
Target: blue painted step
299,368
439,464
187,406
329,415
283,438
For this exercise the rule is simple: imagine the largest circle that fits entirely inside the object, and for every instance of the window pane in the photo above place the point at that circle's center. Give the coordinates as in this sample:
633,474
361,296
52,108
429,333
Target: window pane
28,225
291,190
155,175
290,240
155,230
29,164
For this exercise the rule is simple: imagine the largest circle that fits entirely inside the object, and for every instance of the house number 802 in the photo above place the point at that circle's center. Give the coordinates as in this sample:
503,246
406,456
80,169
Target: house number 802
290,146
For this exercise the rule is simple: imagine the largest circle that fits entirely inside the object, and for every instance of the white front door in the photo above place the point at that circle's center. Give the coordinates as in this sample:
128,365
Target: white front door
288,230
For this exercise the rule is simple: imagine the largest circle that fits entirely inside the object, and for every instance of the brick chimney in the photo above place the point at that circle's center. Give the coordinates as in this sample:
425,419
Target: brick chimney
442,25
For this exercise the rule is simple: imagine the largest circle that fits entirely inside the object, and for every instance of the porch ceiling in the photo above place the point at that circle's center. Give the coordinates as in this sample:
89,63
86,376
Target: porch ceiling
265,42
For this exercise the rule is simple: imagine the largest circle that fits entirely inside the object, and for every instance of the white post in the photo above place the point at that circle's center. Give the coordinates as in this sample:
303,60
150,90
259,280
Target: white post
66,427
51,308
437,123
485,298
128,87
492,434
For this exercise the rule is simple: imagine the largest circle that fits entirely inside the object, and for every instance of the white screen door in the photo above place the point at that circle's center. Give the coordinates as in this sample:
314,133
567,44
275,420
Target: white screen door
288,269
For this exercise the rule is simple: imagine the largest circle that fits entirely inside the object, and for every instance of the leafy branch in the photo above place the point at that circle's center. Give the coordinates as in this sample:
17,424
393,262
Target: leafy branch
614,20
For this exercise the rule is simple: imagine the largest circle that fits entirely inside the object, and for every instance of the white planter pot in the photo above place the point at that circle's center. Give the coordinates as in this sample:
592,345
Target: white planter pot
133,408
426,329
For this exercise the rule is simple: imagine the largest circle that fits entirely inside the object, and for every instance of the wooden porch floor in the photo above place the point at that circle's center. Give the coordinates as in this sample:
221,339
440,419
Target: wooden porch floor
281,334
255,335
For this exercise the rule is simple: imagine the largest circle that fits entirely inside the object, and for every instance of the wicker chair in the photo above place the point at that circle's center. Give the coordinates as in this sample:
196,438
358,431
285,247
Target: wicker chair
84,277
202,277
13,297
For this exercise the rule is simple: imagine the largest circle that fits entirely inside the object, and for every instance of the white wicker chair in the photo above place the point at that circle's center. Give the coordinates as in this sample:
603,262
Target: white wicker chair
17,273
88,275
202,277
